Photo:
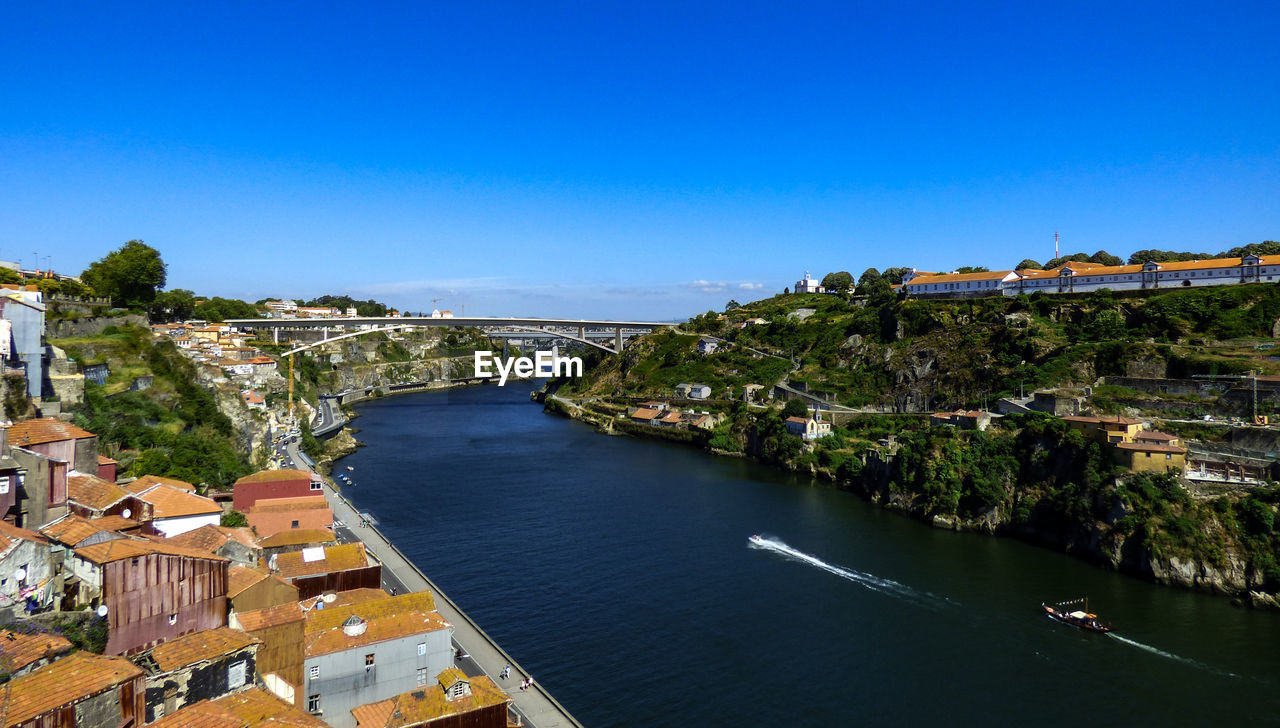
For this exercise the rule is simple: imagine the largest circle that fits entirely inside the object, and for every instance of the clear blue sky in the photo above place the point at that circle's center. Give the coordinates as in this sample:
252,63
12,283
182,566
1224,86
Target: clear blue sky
637,160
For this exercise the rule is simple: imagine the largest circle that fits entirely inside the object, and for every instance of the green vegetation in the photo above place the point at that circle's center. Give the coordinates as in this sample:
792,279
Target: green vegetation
129,275
173,428
234,519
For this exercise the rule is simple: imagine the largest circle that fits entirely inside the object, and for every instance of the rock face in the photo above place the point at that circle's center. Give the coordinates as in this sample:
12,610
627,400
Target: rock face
88,325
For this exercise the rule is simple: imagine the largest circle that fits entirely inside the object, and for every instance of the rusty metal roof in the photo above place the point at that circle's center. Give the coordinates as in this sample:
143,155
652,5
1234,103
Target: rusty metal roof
257,619
147,481
170,502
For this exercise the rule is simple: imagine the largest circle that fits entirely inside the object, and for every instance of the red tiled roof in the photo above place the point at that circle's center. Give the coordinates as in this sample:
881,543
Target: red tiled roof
644,413
17,650
297,537
257,619
69,680
430,703
169,502
45,429
125,548
196,647
345,557
93,492
147,481
275,476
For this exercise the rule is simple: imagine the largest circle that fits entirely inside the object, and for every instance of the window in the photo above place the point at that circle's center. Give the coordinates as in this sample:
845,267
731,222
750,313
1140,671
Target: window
422,649
314,672
173,619
4,484
295,524
236,674
368,661
316,486
422,676
313,703
1168,456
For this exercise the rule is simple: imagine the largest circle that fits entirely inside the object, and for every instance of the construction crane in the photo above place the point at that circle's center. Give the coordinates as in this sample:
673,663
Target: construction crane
1253,375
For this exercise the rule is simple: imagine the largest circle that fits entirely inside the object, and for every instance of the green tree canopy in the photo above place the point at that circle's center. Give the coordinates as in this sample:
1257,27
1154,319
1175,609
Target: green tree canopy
176,305
129,275
1028,264
1102,257
894,275
795,408
839,281
221,309
732,304
1266,247
868,275
973,269
1164,256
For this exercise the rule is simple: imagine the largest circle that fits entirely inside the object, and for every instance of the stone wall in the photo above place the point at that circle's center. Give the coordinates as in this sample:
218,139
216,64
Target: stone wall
88,325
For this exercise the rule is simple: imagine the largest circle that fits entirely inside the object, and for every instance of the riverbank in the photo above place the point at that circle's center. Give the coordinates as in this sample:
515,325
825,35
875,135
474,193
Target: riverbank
1111,524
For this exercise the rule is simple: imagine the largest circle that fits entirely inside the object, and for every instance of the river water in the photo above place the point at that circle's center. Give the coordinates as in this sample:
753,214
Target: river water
618,572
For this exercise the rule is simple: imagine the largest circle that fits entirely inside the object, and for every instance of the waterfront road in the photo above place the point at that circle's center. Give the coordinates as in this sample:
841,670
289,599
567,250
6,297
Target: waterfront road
536,706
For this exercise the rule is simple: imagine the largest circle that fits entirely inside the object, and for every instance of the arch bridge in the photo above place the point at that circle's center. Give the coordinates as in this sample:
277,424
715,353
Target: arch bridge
584,331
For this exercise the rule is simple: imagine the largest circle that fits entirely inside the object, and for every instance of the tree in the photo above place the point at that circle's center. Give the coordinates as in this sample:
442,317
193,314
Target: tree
840,281
1102,257
973,269
795,408
176,305
1164,256
868,275
221,309
786,290
234,519
1028,264
1266,247
129,276
895,275
732,304
9,275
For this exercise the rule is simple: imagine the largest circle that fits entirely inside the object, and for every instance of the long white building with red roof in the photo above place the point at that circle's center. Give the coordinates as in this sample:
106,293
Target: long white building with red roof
1077,277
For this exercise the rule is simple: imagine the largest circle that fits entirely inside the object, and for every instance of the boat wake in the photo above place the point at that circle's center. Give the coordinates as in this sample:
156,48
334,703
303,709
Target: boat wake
1170,655
870,581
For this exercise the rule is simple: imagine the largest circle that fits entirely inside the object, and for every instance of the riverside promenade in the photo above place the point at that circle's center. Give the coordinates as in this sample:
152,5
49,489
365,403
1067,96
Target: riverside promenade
535,706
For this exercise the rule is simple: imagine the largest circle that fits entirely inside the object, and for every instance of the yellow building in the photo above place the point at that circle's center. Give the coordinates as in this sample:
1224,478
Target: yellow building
1150,457
1109,429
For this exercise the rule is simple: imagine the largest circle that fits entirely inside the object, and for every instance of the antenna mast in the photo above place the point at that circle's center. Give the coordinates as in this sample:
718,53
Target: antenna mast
1056,254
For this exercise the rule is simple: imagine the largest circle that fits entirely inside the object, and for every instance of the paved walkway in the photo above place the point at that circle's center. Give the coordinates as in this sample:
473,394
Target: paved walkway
535,706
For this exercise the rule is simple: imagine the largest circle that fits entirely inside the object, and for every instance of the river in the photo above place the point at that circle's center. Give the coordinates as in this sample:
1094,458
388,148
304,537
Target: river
618,572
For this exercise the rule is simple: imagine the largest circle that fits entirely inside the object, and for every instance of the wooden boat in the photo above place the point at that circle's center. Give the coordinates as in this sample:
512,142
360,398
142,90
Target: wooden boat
1080,618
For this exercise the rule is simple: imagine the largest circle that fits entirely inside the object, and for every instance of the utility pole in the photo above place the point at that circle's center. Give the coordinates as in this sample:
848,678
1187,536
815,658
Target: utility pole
291,387
1254,373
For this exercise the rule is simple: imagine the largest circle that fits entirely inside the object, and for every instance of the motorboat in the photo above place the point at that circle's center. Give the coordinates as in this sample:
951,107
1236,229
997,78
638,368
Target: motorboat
755,539
1079,618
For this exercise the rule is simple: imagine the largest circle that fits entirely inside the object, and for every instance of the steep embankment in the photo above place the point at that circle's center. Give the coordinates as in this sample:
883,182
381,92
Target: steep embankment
1028,477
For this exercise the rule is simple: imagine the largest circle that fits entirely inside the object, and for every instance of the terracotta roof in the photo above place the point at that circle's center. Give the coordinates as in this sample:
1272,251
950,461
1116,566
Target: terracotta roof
672,417
73,529
203,714
295,503
262,360
798,420
240,578
257,619
297,537
381,629
275,476
345,557
256,706
644,413
169,502
10,532
1155,436
115,523
45,429
104,460
207,538
147,481
73,678
243,534
957,277
1150,447
125,548
17,650
93,492
384,605
430,703
189,649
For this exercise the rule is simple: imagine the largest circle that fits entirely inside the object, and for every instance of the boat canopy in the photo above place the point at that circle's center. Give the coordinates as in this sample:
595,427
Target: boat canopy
1078,614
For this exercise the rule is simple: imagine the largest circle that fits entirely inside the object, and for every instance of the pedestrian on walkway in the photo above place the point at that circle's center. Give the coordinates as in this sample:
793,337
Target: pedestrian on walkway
530,685
506,672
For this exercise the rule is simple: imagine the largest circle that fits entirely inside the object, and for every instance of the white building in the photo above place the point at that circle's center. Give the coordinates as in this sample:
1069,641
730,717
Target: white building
808,285
1077,277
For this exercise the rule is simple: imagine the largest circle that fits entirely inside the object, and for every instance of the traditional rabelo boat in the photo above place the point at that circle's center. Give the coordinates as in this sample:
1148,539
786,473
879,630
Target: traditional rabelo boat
1081,618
